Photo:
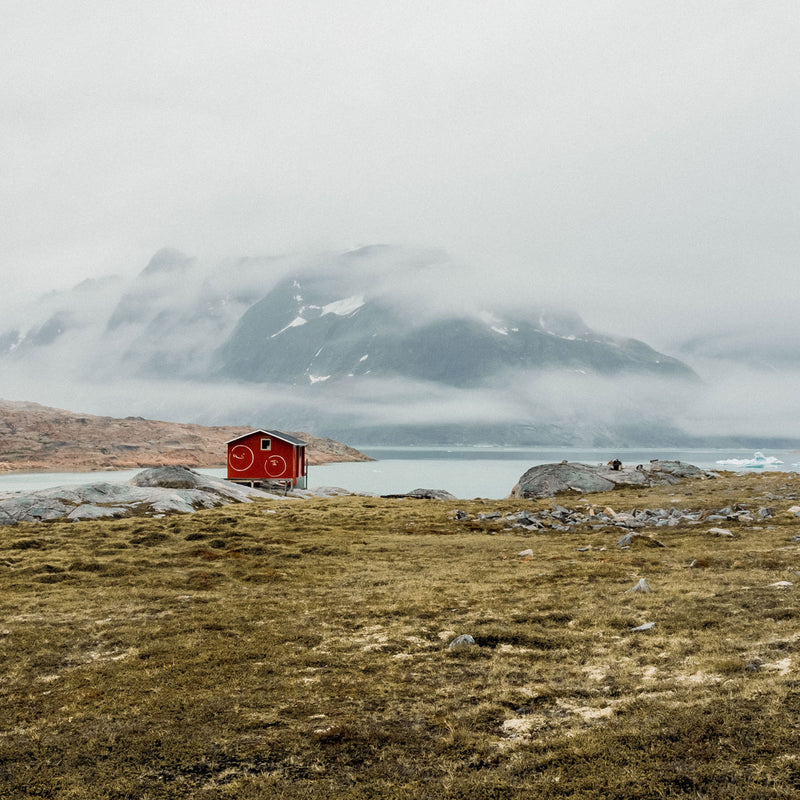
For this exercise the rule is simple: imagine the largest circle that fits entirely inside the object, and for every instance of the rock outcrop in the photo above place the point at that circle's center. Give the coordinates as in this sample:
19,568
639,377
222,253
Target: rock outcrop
422,494
152,492
546,480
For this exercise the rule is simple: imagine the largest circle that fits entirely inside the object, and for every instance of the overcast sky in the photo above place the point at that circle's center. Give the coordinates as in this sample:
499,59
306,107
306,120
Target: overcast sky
638,160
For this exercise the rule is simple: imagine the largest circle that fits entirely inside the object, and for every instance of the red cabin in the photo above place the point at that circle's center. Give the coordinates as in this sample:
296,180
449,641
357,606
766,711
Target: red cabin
268,457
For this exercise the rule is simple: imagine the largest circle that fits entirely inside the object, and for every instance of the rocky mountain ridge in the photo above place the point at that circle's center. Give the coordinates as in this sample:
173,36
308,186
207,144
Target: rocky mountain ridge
327,321
36,437
376,345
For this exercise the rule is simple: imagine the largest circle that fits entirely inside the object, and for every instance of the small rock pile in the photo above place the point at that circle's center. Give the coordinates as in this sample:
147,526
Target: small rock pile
560,518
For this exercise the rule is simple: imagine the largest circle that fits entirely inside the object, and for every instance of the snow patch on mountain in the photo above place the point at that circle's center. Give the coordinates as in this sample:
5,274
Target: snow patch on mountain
295,323
345,307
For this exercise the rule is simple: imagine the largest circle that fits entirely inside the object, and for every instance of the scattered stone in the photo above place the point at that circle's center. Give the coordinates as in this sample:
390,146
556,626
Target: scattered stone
782,584
646,627
642,586
720,532
463,641
526,554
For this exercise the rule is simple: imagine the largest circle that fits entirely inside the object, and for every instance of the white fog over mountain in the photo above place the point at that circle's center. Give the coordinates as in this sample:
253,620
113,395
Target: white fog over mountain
367,343
507,222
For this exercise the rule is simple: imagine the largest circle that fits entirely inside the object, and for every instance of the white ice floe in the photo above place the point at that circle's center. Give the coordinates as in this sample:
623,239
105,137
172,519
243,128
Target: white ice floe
318,378
758,461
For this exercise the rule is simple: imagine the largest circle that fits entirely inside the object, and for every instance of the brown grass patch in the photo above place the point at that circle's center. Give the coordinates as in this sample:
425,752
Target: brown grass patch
303,653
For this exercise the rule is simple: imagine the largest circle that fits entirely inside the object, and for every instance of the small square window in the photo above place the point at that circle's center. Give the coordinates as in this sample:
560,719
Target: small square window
266,444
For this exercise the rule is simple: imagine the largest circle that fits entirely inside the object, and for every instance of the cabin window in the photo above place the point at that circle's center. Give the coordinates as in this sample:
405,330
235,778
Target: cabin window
266,444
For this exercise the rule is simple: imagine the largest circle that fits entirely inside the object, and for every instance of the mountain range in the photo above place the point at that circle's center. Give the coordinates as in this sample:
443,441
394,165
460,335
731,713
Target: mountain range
365,344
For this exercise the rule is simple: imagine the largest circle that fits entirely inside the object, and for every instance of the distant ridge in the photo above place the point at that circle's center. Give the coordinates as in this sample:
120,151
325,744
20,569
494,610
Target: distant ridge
37,437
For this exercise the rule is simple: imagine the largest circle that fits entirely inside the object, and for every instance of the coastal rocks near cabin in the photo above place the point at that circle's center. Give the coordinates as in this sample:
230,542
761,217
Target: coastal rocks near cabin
153,491
547,480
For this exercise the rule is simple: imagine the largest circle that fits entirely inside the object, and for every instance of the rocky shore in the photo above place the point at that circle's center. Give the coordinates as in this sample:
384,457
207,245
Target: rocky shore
39,438
161,490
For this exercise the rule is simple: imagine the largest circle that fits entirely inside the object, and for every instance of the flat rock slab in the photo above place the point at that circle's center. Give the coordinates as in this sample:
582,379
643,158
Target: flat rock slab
546,480
153,491
422,494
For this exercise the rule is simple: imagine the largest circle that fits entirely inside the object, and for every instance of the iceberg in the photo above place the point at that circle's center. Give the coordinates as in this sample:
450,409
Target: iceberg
758,461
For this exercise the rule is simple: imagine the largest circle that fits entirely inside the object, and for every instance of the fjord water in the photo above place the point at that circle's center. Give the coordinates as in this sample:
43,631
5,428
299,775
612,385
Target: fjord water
492,472
465,472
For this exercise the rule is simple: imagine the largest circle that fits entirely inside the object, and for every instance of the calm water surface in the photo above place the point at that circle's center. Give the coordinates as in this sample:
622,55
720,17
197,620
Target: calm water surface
466,472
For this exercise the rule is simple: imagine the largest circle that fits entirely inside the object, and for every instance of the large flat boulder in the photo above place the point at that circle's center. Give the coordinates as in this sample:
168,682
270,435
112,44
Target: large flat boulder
546,480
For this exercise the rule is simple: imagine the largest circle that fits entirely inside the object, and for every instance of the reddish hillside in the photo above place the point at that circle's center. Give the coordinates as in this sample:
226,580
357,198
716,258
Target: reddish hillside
35,437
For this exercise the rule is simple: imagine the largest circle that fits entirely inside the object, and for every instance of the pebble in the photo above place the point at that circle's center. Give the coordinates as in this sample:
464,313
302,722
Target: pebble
646,627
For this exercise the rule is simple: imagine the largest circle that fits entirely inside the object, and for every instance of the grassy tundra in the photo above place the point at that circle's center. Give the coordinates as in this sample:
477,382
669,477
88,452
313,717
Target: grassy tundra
299,649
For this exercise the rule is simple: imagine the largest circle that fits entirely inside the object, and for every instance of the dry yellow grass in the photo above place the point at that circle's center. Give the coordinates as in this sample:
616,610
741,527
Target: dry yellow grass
298,649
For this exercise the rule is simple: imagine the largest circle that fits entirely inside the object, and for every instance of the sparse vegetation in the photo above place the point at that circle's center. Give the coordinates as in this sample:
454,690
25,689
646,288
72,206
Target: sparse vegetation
298,649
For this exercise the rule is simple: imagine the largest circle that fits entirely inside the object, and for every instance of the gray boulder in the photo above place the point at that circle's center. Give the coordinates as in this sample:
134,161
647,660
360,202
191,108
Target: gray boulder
431,494
171,478
546,480
422,494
